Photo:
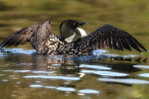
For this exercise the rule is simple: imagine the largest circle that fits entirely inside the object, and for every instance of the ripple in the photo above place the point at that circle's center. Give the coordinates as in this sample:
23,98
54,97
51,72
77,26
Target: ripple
18,82
99,67
130,56
105,73
144,75
50,87
99,52
42,72
29,71
111,55
88,91
121,56
66,89
124,81
19,51
36,86
59,88
5,80
22,71
142,66
52,77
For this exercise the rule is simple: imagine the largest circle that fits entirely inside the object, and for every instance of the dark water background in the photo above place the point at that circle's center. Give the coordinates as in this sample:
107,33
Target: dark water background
109,74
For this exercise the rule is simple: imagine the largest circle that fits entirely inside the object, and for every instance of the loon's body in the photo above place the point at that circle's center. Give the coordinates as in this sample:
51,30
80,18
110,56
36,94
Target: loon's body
72,40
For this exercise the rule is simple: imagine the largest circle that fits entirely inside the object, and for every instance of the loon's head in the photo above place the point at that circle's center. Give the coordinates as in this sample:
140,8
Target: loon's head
70,30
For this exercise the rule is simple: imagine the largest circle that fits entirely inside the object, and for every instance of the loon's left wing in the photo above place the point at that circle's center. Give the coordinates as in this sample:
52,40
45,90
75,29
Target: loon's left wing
109,36
39,31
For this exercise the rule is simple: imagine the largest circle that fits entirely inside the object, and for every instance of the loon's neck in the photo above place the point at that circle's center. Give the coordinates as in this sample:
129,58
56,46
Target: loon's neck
76,35
70,38
82,32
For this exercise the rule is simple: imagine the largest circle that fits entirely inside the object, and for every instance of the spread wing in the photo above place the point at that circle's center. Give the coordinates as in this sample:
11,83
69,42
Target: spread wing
22,36
109,36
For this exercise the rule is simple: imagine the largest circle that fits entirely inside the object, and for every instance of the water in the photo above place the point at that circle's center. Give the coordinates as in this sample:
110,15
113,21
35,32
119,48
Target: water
107,74
28,76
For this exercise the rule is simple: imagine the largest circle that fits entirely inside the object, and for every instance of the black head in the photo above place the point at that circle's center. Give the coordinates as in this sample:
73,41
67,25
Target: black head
72,23
69,27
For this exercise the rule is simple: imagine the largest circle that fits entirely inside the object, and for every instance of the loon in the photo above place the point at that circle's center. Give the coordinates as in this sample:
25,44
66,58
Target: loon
73,39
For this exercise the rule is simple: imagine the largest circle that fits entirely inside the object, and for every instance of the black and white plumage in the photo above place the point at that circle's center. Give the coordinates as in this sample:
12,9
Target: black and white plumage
72,39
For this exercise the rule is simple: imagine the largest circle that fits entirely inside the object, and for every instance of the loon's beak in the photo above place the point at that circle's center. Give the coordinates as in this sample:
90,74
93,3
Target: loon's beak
82,23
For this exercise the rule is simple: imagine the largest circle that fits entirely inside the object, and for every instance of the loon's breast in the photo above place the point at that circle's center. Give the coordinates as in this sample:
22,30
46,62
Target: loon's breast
52,45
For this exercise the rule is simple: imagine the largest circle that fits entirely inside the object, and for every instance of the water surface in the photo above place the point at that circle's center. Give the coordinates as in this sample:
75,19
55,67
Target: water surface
28,76
107,74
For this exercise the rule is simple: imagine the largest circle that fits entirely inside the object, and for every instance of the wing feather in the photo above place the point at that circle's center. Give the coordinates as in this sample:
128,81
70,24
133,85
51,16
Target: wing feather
19,37
28,34
109,36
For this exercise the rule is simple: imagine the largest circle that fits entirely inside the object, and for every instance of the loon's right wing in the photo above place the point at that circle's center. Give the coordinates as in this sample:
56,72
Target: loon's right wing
25,34
109,36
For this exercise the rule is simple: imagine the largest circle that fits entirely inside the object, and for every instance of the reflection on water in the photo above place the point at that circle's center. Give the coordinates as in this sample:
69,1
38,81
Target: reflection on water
52,77
24,72
25,75
144,75
124,81
104,73
67,89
